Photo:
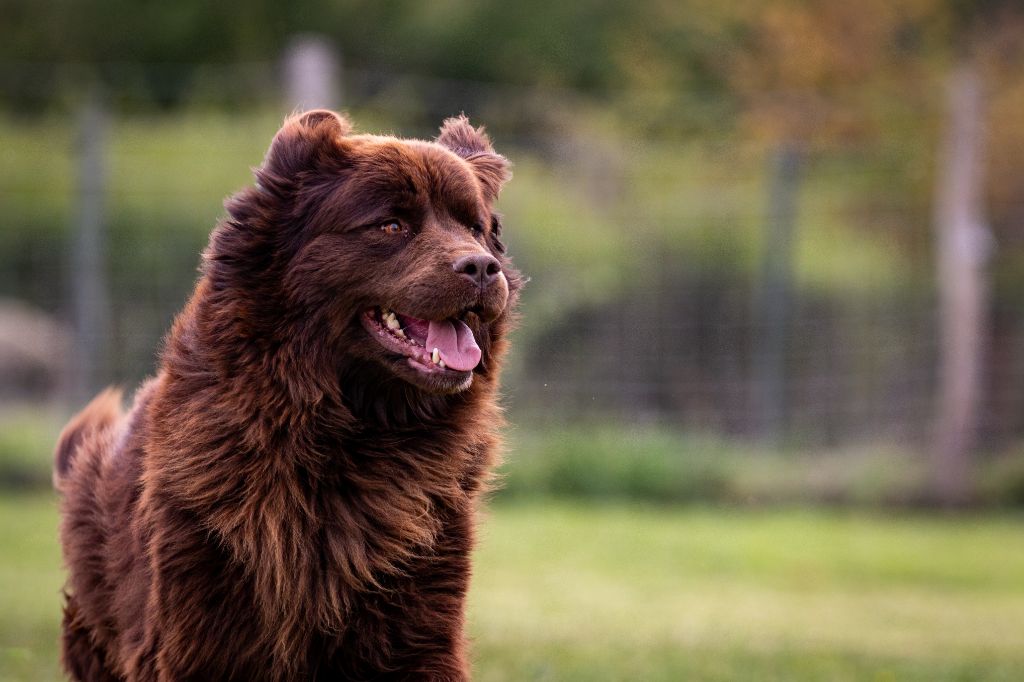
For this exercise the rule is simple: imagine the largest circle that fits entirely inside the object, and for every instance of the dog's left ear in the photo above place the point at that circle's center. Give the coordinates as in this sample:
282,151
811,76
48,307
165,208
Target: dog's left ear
473,144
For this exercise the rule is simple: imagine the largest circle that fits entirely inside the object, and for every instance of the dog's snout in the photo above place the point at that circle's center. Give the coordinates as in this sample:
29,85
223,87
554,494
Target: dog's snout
479,268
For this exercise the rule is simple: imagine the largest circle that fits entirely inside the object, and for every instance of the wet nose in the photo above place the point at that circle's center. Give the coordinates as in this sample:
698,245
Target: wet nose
480,268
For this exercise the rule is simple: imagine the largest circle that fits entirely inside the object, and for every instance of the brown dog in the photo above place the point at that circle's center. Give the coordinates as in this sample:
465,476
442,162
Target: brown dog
292,496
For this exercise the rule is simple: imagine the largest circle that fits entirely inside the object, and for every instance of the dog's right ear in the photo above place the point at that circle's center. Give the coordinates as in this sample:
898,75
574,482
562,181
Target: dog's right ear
303,140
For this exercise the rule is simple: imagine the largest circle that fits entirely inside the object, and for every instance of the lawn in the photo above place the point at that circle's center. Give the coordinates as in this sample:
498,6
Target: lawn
624,592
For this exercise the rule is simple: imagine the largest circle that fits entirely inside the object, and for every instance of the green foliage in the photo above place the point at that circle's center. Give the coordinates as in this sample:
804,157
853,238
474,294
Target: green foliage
27,439
547,228
577,44
1002,479
168,176
605,462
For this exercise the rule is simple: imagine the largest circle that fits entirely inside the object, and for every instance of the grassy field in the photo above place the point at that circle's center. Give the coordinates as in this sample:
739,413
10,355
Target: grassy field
591,592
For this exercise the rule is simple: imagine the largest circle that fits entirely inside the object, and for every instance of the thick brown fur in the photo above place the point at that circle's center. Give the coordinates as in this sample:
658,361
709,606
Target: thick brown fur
285,500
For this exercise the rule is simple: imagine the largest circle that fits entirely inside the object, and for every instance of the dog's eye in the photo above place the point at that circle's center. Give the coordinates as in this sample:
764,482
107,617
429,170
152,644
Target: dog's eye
391,227
477,227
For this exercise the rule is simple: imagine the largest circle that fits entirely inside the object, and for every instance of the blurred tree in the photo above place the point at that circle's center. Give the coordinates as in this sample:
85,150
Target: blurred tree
820,71
963,244
979,39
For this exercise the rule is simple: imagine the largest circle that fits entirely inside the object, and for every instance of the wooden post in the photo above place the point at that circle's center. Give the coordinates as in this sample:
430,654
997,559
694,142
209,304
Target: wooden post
89,296
773,302
312,70
963,243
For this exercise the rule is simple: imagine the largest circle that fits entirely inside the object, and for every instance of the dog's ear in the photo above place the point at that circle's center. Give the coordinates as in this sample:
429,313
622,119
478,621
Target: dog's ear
473,144
303,140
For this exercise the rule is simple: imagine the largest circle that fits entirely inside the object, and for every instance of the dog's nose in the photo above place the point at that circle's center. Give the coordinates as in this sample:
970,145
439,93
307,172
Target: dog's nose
480,268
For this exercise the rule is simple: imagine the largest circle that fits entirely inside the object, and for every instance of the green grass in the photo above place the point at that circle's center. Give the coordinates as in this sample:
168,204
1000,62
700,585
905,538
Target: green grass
30,580
623,592
591,592
27,439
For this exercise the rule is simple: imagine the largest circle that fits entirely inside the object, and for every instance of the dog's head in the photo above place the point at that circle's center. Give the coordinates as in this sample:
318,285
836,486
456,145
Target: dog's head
389,249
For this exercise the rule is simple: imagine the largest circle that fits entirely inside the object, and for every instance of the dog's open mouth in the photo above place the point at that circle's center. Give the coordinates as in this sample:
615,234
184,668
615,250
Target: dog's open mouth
445,346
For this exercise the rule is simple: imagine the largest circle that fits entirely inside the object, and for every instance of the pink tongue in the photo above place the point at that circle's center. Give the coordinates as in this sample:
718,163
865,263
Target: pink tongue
455,342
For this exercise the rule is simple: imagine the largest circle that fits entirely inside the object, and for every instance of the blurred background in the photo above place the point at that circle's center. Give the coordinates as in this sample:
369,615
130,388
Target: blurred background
767,397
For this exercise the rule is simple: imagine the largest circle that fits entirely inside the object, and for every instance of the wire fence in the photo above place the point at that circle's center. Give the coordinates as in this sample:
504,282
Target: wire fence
647,252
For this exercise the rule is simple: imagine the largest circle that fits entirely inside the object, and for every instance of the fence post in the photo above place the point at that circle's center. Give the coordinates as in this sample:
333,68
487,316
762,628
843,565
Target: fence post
89,295
773,300
312,69
963,244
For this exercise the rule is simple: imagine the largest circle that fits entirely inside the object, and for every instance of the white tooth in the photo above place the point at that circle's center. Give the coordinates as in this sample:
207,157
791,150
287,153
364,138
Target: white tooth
441,364
400,333
435,356
393,323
